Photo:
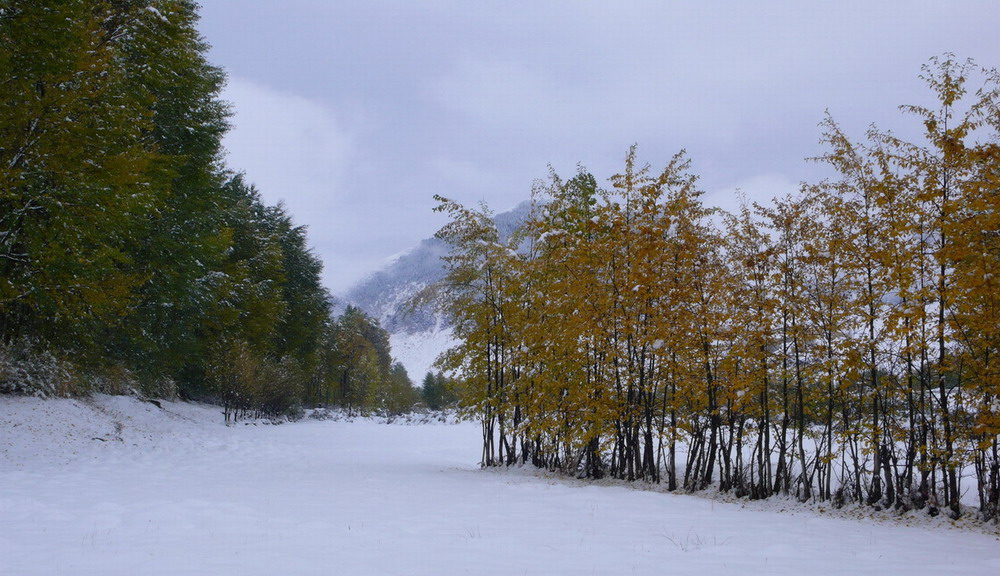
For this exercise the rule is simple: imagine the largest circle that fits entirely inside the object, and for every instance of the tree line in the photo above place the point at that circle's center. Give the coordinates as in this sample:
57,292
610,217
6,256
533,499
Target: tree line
131,256
841,344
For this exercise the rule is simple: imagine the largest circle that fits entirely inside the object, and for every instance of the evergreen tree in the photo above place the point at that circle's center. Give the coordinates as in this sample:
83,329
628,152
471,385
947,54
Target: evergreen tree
437,392
401,395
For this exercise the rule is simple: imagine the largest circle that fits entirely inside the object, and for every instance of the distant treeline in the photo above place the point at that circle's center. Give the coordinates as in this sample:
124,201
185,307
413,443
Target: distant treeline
131,257
841,344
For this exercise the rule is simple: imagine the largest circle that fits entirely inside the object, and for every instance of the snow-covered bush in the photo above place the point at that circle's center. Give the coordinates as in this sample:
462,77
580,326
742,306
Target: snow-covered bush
114,380
29,368
158,388
295,413
119,381
325,414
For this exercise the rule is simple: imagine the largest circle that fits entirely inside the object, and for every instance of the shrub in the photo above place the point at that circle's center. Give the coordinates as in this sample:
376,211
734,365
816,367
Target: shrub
29,368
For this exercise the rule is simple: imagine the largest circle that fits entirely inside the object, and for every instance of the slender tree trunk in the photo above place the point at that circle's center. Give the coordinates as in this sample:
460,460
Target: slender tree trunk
764,454
805,479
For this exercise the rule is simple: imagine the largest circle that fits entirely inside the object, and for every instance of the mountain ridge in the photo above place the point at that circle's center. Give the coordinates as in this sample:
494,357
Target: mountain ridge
418,332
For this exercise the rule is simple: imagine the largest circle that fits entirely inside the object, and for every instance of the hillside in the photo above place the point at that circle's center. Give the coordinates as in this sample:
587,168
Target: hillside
418,334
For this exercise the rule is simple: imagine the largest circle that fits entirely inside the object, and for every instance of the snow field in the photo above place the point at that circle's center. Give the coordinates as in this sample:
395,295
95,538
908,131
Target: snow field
174,491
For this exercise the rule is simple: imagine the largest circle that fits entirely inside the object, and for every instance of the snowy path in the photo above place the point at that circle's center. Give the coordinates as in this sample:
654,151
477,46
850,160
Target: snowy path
188,496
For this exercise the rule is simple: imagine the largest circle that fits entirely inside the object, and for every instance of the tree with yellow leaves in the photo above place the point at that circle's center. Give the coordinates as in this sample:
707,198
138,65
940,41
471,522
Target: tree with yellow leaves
840,344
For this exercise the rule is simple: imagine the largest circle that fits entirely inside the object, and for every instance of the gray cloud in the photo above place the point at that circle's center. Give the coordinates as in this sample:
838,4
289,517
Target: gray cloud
296,151
379,104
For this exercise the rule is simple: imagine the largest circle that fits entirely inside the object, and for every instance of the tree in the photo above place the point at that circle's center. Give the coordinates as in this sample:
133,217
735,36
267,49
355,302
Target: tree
481,287
184,250
76,171
949,171
844,335
437,392
364,380
124,240
400,394
753,302
307,301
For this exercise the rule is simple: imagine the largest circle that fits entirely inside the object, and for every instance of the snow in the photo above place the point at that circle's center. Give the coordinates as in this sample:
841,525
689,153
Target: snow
548,234
157,14
115,486
418,351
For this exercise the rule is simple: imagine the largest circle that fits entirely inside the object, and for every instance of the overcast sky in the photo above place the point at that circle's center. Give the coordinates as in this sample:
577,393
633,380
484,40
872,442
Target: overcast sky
355,113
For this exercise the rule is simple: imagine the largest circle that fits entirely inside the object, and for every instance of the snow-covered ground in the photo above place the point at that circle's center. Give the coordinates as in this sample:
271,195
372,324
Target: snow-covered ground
115,486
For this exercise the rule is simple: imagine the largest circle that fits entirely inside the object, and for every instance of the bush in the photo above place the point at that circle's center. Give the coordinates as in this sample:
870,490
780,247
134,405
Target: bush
29,368
118,380
249,385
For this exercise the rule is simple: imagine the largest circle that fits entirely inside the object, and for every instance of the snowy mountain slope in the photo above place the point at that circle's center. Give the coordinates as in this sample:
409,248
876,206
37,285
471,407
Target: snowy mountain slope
418,334
385,294
417,351
181,494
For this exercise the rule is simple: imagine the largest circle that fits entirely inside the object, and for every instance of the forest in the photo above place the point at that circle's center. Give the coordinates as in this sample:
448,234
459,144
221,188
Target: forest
841,344
132,259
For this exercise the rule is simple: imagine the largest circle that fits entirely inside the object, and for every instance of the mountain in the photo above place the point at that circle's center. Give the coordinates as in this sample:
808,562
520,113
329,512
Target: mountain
386,294
417,334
